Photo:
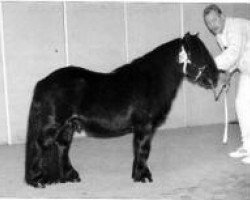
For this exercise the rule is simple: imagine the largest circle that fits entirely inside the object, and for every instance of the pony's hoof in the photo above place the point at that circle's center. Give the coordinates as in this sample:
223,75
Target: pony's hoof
77,180
142,175
72,176
143,179
37,184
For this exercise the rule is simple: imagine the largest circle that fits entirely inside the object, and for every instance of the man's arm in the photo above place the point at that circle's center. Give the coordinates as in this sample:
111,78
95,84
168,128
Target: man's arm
229,57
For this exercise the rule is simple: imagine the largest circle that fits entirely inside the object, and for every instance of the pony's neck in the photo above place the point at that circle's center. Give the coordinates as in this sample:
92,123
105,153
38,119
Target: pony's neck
163,58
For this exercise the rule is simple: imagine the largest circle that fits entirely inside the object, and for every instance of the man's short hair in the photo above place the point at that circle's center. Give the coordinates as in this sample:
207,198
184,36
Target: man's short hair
212,7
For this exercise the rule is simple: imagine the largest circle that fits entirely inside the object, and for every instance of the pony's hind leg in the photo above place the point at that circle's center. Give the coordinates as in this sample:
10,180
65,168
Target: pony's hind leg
41,158
50,160
49,164
33,174
142,144
64,140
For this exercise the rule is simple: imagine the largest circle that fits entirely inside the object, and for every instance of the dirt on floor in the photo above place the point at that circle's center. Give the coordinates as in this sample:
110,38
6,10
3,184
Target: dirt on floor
186,164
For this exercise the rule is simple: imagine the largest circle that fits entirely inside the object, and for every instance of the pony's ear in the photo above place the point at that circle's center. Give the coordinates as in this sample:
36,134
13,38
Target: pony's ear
192,34
197,34
188,34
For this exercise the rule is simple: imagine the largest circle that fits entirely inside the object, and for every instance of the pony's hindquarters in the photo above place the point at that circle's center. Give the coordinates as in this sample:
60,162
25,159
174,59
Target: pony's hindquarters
42,153
48,141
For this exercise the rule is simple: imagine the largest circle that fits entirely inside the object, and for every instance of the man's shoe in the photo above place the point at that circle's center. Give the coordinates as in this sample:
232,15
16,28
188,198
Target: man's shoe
246,160
239,153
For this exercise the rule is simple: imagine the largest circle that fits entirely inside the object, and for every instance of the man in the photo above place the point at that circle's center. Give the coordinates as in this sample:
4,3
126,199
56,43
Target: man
233,36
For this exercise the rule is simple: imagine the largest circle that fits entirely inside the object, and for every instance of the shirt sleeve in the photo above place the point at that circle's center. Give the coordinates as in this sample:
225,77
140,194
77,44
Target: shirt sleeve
229,57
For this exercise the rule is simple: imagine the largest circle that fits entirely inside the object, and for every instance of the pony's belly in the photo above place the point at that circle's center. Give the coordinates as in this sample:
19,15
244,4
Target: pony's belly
101,125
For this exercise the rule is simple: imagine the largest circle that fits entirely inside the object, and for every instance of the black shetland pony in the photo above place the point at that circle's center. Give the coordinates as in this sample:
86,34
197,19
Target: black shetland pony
134,98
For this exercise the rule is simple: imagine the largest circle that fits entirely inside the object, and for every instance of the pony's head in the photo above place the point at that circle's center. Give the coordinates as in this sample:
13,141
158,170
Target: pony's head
198,64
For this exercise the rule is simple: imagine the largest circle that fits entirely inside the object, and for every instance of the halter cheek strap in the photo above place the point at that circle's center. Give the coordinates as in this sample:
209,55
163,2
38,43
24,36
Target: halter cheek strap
183,58
200,72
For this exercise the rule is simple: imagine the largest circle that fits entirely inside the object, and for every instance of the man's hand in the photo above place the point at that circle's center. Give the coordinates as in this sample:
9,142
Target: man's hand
223,83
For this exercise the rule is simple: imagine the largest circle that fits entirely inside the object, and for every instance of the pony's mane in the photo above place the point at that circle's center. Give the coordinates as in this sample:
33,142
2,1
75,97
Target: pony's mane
209,59
168,50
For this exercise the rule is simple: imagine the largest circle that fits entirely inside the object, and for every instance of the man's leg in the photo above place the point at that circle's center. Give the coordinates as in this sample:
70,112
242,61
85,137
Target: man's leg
243,112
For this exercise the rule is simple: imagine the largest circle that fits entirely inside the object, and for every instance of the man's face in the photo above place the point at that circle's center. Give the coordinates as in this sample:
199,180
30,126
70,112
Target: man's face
214,22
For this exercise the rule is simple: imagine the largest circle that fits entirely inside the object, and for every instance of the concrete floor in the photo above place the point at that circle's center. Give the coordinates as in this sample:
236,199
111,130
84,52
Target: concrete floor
187,164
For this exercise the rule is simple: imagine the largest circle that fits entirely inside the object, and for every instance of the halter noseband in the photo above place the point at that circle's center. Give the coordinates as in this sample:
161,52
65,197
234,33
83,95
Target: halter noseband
201,70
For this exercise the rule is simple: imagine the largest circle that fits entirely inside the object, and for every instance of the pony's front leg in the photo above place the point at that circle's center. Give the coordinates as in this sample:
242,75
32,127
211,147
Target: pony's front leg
142,143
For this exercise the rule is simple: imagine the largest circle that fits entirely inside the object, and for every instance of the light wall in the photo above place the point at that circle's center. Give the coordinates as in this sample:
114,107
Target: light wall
101,36
34,46
3,115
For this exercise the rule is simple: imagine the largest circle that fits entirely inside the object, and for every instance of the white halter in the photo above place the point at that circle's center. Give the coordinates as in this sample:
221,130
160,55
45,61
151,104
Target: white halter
183,58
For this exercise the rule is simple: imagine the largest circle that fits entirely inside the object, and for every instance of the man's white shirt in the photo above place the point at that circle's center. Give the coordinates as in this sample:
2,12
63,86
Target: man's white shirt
235,44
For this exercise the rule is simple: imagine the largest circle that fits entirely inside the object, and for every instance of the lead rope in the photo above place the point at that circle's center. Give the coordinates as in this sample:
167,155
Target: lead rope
226,88
225,136
216,97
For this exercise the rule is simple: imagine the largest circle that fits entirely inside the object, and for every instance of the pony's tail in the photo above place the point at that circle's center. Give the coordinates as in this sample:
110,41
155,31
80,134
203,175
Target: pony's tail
33,150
